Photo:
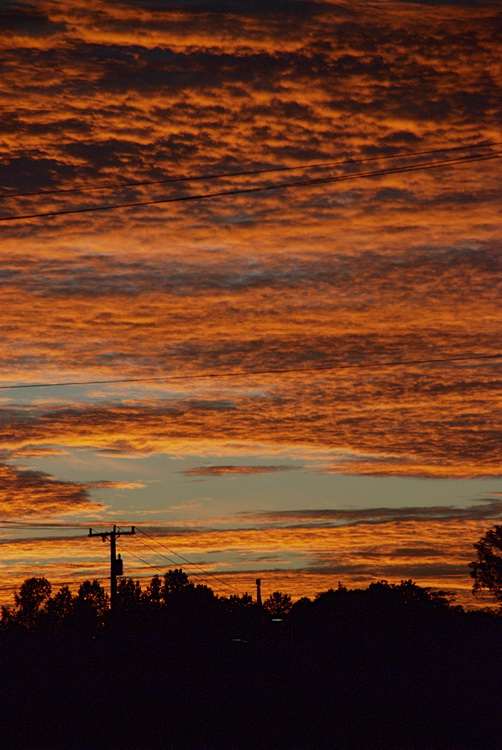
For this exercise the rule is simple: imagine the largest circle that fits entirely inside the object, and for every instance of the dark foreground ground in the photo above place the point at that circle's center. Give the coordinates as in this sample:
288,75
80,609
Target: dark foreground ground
335,675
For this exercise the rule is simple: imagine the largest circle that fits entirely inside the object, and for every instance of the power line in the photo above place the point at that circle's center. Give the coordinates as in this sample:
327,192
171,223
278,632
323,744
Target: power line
245,373
136,572
173,562
244,173
126,549
206,574
46,525
42,525
188,561
20,525
261,188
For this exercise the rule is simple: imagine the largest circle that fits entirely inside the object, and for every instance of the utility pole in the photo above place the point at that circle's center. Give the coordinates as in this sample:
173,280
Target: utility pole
258,592
116,564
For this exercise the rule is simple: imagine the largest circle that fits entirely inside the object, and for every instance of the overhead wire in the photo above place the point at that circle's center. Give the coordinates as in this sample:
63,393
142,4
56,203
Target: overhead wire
154,567
259,188
157,553
188,562
247,172
150,565
245,373
31,525
237,191
126,549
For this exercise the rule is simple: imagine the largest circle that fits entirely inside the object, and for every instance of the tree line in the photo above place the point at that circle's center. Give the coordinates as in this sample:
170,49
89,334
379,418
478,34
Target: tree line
175,666
36,605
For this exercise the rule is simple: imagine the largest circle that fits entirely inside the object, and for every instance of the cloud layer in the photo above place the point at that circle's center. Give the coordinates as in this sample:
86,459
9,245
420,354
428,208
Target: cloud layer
302,552
25,493
402,266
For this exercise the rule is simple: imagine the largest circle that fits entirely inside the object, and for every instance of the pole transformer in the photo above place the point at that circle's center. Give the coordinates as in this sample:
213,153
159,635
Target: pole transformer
116,564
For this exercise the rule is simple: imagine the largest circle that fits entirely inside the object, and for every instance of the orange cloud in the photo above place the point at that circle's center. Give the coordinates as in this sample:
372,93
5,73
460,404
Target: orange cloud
218,471
399,266
433,549
405,422
26,493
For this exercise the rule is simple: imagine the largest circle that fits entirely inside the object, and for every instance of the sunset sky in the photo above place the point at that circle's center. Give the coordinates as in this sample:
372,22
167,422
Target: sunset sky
344,466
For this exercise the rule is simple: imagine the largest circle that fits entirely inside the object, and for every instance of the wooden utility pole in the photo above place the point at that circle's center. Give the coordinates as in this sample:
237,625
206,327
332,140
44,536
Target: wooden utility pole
116,565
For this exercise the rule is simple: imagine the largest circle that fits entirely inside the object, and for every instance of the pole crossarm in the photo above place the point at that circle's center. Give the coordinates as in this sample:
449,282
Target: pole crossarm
116,531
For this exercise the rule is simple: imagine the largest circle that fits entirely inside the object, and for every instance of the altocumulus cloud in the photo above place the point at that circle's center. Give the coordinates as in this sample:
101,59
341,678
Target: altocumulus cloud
483,509
36,494
395,267
229,470
28,493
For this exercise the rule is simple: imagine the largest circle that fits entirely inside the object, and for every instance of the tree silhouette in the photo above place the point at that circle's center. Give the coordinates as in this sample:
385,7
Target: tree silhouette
411,594
60,606
363,666
237,602
174,581
129,595
153,595
91,602
7,617
278,604
487,569
33,594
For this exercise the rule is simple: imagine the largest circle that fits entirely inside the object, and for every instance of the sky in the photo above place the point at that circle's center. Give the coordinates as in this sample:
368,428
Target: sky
278,413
